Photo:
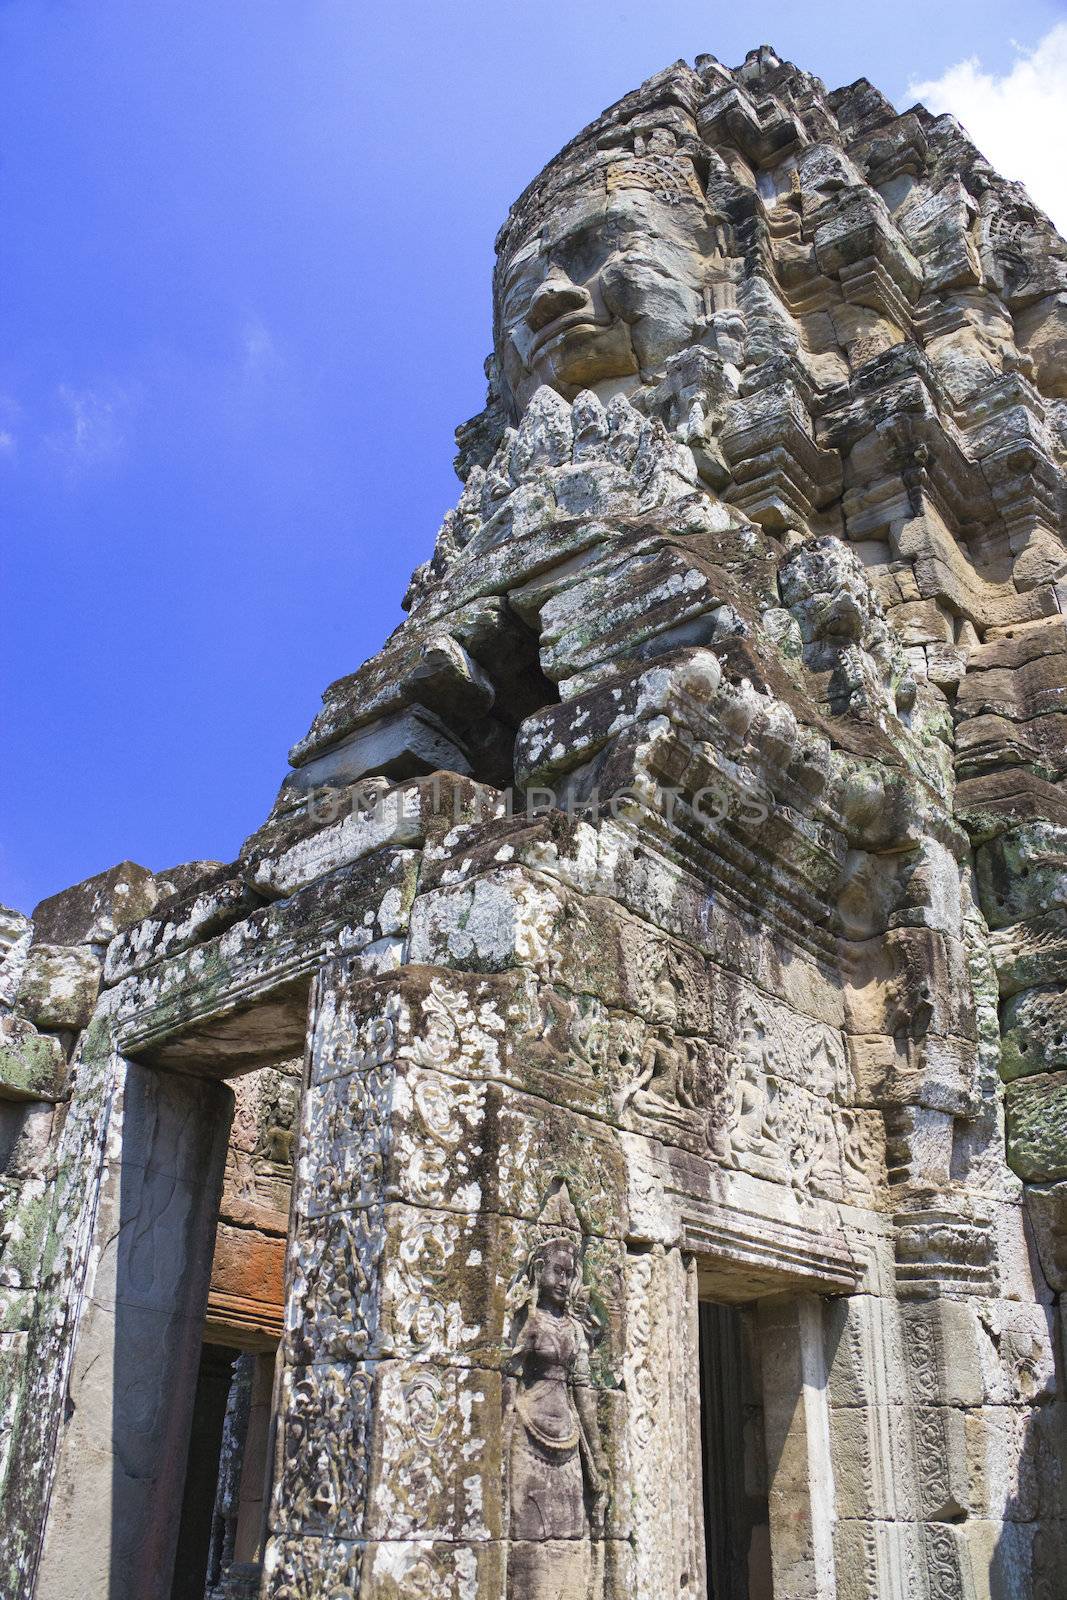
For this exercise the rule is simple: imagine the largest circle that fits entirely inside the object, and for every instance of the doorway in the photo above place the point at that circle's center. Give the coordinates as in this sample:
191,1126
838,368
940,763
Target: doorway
226,1481
736,1513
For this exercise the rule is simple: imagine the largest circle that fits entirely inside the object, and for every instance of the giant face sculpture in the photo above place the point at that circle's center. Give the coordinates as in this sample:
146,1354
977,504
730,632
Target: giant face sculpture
601,279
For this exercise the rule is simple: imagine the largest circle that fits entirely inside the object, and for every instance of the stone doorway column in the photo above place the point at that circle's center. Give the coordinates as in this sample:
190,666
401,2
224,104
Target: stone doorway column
797,1433
112,1516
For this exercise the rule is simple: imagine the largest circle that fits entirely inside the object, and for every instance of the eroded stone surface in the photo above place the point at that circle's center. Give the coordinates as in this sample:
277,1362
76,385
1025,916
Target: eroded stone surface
722,960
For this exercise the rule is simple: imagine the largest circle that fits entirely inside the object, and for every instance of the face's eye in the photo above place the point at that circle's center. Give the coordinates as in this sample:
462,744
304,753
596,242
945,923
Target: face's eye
583,252
580,253
520,284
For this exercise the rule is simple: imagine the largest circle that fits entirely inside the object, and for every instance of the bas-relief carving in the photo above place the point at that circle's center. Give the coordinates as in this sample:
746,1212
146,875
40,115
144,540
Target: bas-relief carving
436,1146
776,1105
323,1463
558,1484
669,1078
313,1569
791,1118
437,1471
259,1158
663,1448
348,1038
335,1293
458,1033
341,1165
426,1317
778,1132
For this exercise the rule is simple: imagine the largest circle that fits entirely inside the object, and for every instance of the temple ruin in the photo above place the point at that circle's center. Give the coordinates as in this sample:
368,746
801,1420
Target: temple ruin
606,1135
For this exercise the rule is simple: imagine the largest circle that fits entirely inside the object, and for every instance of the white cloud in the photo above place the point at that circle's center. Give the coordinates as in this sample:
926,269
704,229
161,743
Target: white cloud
10,415
259,353
1018,119
94,425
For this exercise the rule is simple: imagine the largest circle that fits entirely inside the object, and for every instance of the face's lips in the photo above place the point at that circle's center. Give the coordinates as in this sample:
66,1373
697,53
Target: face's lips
583,317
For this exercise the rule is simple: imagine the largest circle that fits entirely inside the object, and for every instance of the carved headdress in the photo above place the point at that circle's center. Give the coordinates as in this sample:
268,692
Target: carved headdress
558,1223
558,1226
648,141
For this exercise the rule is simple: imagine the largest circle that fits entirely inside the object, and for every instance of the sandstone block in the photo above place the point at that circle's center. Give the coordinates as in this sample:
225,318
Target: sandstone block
1041,330
1047,1208
1037,1127
181,922
398,1569
1034,1033
59,986
16,935
398,746
436,1465
32,1065
93,911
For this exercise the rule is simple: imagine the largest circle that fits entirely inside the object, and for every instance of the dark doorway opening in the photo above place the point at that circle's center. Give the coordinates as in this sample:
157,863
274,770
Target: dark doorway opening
736,1517
227,1479
202,1471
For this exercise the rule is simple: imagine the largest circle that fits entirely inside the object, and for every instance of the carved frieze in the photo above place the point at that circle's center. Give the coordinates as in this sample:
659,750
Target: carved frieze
312,1569
324,1451
335,1286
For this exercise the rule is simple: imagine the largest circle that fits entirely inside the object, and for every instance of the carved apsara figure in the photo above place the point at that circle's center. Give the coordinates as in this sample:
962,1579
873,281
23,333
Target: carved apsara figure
557,1473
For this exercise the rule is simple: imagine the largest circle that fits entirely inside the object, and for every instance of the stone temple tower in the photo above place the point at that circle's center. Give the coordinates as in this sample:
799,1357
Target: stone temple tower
612,1117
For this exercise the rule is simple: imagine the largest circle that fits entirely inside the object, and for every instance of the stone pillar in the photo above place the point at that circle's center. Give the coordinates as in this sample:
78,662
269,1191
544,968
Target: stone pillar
799,1468
112,1517
437,1204
663,1423
37,1387
876,1536
232,1457
236,1553
248,1539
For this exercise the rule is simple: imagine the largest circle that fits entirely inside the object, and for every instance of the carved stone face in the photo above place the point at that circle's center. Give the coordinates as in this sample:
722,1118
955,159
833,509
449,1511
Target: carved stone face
600,291
558,1268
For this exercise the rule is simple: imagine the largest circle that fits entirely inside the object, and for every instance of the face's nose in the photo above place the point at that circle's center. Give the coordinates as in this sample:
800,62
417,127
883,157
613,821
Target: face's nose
554,295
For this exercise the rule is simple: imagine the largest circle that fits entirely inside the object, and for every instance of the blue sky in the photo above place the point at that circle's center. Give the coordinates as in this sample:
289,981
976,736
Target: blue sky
244,275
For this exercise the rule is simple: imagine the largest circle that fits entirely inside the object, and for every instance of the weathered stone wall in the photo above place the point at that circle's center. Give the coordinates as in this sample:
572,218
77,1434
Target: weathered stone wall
661,913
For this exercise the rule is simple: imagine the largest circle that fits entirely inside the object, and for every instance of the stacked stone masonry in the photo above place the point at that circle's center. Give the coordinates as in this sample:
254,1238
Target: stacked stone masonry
674,910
